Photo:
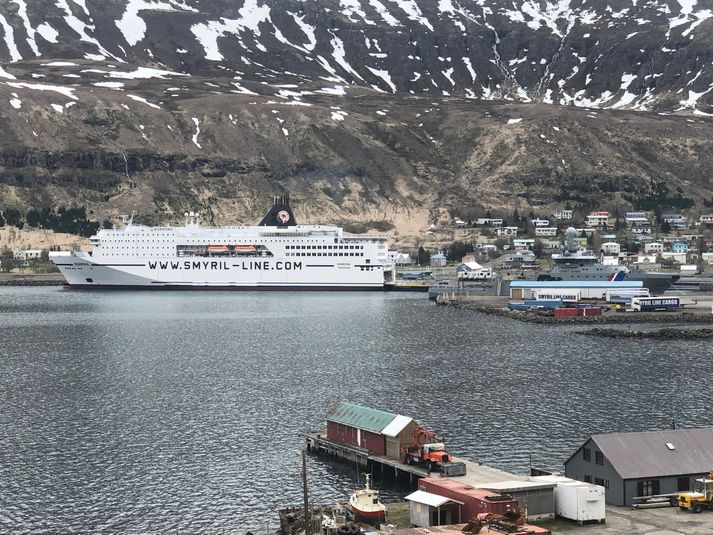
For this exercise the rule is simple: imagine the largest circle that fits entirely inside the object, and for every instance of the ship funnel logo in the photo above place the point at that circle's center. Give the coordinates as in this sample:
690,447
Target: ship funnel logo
283,216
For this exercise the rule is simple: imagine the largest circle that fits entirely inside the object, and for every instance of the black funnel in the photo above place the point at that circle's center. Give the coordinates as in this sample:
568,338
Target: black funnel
280,215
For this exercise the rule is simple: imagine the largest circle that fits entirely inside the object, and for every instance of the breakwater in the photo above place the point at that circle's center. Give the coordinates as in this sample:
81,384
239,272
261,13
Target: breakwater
32,282
612,318
658,334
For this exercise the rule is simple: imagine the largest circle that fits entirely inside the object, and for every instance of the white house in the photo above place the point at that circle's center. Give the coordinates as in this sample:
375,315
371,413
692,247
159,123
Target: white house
540,222
473,271
653,248
507,231
611,248
489,221
27,254
523,243
562,214
460,223
632,218
706,219
598,219
677,221
545,231
400,259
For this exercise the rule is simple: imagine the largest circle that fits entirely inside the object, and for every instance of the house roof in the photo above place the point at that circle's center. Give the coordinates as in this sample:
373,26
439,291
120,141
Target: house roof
647,454
396,425
367,418
470,265
430,499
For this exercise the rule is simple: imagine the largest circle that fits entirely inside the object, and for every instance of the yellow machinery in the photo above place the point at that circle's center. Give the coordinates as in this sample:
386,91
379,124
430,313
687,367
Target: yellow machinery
700,498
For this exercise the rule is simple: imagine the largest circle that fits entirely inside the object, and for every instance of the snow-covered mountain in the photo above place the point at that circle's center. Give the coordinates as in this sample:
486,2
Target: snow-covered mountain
375,113
652,55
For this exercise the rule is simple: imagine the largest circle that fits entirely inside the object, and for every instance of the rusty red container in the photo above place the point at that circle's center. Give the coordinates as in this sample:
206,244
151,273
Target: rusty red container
565,312
474,500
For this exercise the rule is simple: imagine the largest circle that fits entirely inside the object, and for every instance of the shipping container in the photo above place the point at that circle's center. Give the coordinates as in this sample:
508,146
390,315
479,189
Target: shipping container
643,304
576,500
475,501
589,311
565,312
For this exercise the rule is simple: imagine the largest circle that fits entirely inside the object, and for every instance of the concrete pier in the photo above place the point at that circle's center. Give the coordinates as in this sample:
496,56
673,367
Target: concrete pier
476,475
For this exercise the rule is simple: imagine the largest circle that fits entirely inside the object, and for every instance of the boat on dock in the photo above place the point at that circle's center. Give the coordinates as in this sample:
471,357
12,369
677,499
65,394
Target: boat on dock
365,504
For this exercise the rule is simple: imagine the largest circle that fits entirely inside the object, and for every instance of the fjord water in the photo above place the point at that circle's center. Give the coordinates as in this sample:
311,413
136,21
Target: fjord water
130,411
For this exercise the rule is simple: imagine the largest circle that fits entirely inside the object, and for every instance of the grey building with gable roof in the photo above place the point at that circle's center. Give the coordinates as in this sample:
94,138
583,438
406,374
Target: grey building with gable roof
643,464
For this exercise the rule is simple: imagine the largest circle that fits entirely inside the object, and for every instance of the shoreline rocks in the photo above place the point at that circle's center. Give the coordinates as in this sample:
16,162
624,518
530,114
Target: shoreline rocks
615,318
658,334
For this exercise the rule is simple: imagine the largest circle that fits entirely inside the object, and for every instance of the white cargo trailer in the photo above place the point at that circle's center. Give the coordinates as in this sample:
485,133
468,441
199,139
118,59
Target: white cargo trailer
568,296
576,500
625,295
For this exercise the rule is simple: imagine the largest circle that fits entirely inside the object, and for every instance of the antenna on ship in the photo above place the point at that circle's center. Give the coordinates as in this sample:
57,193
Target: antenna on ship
128,219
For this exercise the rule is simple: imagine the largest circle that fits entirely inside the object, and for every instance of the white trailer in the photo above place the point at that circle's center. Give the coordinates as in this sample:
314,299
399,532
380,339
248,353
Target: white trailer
625,295
576,500
566,295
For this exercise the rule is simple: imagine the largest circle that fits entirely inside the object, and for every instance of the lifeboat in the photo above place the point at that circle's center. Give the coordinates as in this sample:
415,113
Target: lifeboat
245,249
218,249
365,503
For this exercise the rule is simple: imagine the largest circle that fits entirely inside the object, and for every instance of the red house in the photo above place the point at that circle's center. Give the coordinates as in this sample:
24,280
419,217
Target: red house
380,432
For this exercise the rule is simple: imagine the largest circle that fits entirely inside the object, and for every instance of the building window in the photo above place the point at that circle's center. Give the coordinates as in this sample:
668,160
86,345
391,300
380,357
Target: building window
599,481
587,479
649,487
587,455
599,457
684,484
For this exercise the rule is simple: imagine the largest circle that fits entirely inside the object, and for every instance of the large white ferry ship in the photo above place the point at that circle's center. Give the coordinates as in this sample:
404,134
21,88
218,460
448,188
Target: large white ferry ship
276,254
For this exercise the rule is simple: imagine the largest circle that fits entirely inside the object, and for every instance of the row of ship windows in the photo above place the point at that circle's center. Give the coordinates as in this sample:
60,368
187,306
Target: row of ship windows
324,254
229,239
330,247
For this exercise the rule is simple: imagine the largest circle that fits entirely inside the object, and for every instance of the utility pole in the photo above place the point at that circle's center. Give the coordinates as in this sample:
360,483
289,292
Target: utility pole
307,515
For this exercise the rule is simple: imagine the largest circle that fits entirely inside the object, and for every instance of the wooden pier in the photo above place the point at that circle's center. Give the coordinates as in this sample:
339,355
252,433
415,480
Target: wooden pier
476,474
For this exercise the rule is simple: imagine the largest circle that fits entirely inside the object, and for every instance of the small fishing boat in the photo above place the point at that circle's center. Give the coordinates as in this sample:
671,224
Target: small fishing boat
365,502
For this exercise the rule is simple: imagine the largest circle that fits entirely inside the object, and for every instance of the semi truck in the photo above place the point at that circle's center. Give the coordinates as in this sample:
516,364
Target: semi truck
650,304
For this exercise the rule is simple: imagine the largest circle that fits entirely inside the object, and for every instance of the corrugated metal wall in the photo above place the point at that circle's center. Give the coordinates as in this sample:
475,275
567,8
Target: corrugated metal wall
373,442
342,433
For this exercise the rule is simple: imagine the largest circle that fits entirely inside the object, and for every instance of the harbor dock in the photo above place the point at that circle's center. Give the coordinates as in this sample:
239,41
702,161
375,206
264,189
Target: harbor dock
476,474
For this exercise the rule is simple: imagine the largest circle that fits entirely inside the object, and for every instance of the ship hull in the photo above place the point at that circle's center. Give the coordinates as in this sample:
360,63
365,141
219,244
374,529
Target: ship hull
369,515
195,273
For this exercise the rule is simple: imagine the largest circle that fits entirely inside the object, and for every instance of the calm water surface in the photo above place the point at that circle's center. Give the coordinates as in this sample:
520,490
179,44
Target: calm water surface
180,411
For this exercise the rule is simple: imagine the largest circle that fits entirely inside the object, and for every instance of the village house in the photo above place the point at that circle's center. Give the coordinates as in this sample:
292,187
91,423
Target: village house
507,231
545,231
562,214
598,219
677,221
540,222
488,222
